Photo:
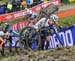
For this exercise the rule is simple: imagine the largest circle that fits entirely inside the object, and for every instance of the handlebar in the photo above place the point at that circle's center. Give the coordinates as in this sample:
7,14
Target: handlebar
52,9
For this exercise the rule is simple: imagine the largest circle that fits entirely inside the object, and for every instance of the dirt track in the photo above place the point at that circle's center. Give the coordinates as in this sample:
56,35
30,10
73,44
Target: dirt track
67,7
63,54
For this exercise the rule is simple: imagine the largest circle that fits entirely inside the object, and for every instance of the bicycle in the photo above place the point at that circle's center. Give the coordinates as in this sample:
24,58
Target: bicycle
24,37
39,31
31,37
29,34
3,37
9,33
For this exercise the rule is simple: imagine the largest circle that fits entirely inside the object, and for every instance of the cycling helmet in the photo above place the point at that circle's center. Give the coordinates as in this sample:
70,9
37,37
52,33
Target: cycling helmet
7,24
29,11
54,17
6,27
2,33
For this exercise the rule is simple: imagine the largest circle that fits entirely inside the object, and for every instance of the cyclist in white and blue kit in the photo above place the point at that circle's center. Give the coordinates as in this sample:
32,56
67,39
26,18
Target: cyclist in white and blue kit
48,20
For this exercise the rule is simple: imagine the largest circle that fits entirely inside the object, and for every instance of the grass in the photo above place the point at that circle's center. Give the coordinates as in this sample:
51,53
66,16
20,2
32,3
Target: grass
68,21
4,0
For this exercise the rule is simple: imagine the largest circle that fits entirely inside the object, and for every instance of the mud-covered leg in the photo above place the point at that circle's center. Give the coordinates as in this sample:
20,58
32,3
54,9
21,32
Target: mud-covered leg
47,42
2,51
2,46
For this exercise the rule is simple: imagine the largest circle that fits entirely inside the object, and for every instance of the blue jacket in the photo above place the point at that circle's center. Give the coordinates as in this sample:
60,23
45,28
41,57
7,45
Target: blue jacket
1,10
28,2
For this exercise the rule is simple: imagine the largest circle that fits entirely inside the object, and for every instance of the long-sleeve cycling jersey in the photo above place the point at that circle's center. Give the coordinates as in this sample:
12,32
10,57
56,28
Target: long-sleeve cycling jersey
44,22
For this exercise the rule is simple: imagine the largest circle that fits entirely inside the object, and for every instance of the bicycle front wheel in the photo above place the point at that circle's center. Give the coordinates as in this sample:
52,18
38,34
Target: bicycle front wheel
32,37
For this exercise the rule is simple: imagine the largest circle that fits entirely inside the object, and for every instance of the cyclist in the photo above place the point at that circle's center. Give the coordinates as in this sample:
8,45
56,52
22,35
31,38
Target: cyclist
9,33
48,20
30,14
2,34
8,29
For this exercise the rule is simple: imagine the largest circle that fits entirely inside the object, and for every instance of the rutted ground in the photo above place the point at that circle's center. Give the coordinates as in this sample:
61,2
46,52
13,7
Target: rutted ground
63,54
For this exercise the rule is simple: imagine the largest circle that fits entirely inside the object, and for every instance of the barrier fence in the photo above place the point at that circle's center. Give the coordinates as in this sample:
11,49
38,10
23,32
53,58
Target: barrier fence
19,14
67,36
21,25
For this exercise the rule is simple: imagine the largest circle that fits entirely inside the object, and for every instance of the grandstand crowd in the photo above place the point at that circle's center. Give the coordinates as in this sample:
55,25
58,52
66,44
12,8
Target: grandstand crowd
17,5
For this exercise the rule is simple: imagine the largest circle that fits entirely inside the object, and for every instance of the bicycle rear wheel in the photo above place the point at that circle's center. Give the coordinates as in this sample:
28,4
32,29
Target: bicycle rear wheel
20,47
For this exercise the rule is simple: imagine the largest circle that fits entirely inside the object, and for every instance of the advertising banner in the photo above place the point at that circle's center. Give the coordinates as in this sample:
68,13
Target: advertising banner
67,36
19,14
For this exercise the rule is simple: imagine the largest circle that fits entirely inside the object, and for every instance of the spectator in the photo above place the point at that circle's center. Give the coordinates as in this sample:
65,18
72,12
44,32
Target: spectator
45,1
14,6
9,7
18,5
5,7
41,1
36,2
24,4
29,3
12,1
1,10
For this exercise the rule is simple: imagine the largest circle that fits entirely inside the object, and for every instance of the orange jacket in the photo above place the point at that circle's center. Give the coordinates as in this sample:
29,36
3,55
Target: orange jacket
24,4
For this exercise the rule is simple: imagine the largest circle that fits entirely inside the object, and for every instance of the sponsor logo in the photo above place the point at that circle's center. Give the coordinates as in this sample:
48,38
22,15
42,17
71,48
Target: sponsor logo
66,38
19,14
8,16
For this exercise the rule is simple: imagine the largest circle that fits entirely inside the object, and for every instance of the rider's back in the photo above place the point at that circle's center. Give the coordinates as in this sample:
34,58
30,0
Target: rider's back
44,22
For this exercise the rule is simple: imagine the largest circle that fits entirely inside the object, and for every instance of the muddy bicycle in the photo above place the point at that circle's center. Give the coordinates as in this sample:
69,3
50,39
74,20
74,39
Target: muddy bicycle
32,36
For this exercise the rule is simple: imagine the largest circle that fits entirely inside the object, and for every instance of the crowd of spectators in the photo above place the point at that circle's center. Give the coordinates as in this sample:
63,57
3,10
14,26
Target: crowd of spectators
17,5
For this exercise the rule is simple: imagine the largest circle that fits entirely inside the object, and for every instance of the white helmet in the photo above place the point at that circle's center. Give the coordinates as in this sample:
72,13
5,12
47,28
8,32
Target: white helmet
29,11
54,17
2,33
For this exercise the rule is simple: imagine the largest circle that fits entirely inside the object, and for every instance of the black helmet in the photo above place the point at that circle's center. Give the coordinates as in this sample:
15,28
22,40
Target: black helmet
7,24
6,27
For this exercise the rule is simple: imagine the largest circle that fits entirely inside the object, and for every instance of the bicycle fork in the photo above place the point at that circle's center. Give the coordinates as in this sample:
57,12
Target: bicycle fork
57,35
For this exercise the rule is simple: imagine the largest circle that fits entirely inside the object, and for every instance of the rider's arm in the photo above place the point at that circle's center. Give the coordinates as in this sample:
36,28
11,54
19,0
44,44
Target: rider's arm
58,24
55,20
38,16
